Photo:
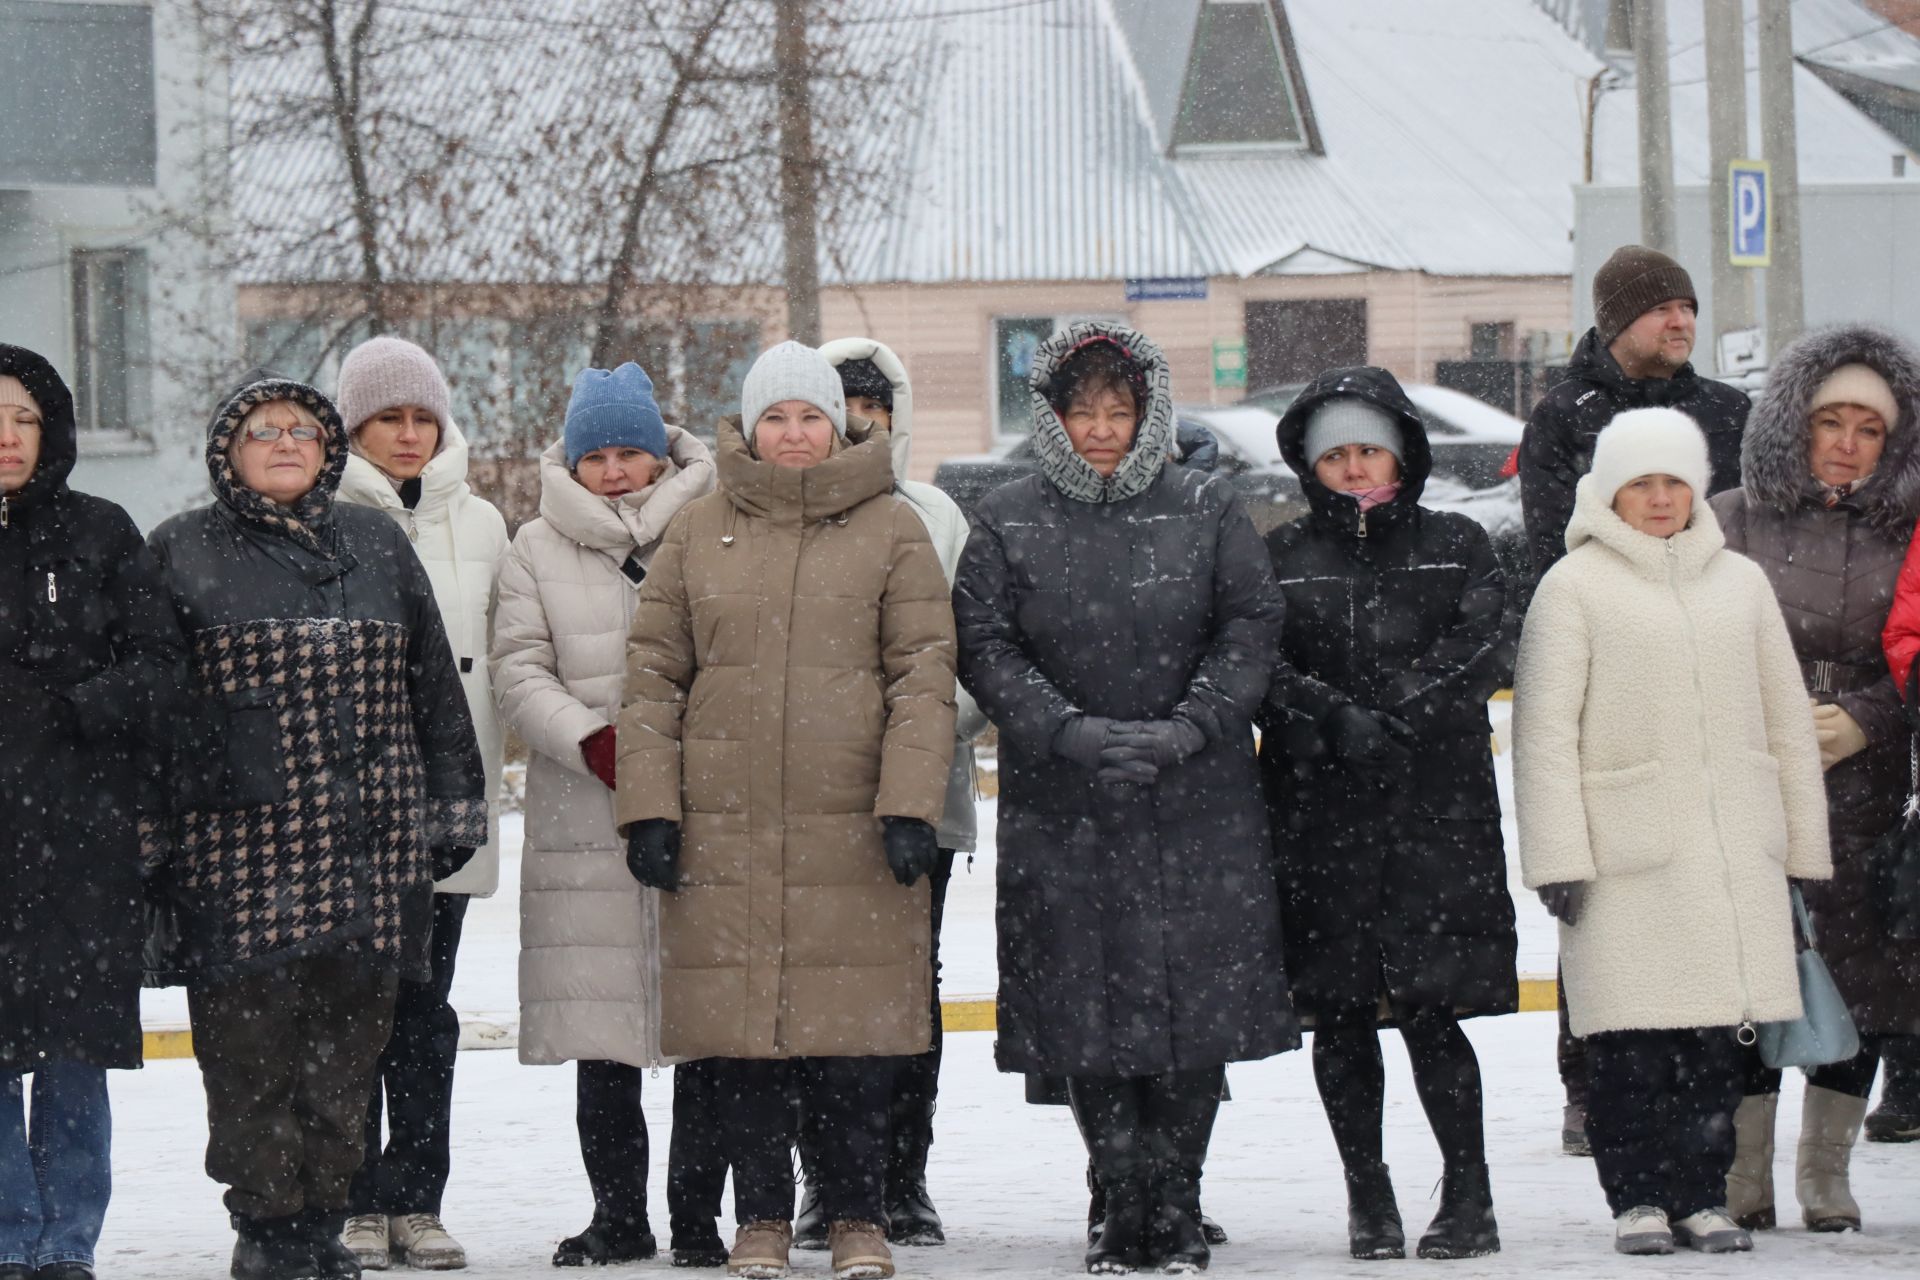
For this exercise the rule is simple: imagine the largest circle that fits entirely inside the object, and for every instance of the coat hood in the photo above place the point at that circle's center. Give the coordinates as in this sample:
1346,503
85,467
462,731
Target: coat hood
305,521
635,521
1380,389
1153,442
443,480
841,350
58,439
1773,456
1594,520
860,468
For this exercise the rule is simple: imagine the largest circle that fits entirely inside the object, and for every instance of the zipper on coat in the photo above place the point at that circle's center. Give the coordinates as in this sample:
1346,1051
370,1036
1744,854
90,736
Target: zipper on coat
5,513
1746,1034
1363,522
53,589
413,528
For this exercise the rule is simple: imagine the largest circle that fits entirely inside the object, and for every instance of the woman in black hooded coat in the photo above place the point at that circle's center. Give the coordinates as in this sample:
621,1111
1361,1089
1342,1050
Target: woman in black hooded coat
1380,790
1117,623
89,656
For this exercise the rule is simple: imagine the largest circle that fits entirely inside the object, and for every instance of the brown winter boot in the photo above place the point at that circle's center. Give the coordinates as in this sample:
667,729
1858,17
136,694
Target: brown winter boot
860,1251
1829,1125
760,1250
1750,1180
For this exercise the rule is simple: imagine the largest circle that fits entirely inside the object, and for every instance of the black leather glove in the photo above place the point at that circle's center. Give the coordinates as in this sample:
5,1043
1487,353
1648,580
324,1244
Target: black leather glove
1366,739
1082,739
913,847
1564,900
653,853
450,859
1164,743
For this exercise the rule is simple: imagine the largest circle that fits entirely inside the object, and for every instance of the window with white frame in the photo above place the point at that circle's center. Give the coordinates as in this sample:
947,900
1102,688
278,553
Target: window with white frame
112,368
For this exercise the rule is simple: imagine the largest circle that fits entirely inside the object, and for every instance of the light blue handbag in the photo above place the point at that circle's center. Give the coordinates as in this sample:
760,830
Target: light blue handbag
1824,1031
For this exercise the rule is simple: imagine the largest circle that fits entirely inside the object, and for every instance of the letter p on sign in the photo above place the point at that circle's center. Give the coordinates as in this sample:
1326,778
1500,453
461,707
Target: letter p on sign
1750,238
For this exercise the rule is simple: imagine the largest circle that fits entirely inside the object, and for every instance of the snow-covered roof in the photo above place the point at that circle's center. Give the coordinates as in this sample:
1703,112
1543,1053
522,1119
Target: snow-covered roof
1837,142
1451,135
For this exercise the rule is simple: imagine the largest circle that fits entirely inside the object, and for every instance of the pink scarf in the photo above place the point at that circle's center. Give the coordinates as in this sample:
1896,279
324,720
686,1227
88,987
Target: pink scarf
1378,496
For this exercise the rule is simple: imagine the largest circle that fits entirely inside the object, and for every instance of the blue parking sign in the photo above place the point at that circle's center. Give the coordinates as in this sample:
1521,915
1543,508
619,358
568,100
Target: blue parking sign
1750,211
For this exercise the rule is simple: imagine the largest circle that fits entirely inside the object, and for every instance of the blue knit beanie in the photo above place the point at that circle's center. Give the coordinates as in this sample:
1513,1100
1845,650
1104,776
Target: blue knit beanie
613,410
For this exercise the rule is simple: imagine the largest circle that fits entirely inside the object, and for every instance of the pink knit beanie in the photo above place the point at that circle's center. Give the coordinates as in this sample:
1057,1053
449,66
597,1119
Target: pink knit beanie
385,373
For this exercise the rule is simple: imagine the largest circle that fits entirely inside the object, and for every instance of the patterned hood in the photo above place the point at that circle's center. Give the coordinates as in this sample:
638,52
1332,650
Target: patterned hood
1773,455
1073,475
305,521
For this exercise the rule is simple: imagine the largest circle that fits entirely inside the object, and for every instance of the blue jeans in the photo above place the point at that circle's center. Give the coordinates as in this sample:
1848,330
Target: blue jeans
54,1181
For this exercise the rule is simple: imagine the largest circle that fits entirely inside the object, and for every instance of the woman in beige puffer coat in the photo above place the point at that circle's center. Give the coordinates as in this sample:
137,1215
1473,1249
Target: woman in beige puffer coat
589,964
790,708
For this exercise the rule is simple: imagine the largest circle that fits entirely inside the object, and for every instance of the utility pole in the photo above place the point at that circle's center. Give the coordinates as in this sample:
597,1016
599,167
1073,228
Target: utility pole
799,179
1656,124
1786,312
1726,142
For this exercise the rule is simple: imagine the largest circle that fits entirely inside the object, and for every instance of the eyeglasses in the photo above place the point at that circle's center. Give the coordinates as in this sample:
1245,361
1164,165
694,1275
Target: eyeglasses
263,434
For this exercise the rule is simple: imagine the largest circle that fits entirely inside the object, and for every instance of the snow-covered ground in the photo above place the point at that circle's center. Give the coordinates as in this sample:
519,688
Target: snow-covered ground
1007,1177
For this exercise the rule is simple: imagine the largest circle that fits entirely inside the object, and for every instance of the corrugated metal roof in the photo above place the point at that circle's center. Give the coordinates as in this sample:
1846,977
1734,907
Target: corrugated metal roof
1032,149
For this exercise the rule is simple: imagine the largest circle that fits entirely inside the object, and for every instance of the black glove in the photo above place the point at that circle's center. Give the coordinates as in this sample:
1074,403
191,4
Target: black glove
1564,900
913,847
1163,743
1082,739
653,853
448,860
1366,738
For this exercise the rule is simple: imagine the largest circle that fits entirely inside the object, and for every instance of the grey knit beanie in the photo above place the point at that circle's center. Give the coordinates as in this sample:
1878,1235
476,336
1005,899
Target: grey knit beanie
385,373
792,371
1341,420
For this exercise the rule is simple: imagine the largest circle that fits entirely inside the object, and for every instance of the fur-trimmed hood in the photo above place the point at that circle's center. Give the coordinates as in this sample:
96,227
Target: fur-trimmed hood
1773,457
1153,441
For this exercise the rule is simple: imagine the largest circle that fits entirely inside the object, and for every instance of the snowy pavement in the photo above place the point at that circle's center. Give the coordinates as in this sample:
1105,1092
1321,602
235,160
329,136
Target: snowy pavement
1008,1177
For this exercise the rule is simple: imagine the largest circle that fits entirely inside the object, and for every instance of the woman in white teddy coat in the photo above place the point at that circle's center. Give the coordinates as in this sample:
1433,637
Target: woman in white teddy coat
1668,784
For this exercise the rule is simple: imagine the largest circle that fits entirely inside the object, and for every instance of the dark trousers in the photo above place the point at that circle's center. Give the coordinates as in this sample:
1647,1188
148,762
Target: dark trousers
1572,1052
1852,1076
1902,1091
613,1141
1351,1075
287,1057
696,1155
759,1102
415,1076
916,1079
1660,1115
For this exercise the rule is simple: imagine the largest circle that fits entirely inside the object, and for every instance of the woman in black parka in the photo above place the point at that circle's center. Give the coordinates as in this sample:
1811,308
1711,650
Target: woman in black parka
1117,622
89,656
330,776
1381,791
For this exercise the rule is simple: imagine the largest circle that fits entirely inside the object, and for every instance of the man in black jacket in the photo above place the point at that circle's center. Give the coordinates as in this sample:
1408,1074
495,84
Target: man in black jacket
1636,355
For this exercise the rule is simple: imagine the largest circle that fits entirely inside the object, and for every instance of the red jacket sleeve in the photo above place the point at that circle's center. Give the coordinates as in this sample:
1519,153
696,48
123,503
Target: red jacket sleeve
1901,639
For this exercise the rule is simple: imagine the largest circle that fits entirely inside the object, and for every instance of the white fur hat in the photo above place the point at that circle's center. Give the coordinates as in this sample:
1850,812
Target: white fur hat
1859,384
1649,442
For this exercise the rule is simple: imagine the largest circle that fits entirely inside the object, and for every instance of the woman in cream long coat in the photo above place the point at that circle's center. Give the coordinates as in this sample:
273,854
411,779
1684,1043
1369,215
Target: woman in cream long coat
1668,784
589,960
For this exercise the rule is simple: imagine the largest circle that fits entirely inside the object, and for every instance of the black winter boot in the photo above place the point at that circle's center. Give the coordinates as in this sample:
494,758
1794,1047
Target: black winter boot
1373,1219
810,1226
1180,1111
911,1218
1897,1118
1096,1203
606,1240
321,1230
1108,1113
1464,1227
1176,1241
271,1249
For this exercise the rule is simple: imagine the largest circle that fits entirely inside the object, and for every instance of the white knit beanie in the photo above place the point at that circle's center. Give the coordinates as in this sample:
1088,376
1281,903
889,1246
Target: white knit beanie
385,373
1859,384
1650,442
792,371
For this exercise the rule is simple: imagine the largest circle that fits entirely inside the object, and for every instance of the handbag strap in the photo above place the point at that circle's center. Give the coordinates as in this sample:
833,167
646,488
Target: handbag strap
1803,917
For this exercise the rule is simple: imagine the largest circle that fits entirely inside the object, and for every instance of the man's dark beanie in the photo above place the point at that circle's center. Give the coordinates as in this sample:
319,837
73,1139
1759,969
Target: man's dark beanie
1631,283
863,378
